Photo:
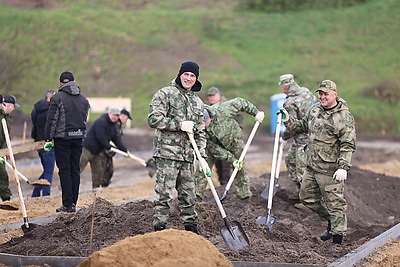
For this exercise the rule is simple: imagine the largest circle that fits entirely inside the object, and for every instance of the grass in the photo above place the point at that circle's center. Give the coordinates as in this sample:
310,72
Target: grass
131,51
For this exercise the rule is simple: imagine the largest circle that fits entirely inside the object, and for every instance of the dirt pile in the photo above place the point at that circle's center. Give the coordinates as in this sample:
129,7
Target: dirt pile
165,248
372,208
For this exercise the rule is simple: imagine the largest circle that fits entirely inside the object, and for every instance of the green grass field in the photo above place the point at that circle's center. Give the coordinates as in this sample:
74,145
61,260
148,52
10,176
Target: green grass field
116,50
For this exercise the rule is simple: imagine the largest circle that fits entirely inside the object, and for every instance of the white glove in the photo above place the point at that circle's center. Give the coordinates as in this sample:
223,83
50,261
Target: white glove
204,163
187,126
340,175
283,142
259,116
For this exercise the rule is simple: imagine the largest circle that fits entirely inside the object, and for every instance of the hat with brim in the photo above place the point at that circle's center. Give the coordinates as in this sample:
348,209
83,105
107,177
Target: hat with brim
127,113
11,99
115,111
327,86
285,79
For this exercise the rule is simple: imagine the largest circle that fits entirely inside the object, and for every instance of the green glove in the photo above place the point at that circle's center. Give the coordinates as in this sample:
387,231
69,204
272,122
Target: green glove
285,114
3,160
238,164
48,146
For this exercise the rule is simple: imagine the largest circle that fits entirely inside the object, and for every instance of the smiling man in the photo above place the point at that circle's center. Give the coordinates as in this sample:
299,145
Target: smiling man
332,141
174,111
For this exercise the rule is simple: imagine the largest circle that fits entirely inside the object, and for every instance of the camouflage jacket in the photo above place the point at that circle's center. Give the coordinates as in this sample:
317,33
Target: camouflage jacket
298,102
224,132
169,106
332,137
7,117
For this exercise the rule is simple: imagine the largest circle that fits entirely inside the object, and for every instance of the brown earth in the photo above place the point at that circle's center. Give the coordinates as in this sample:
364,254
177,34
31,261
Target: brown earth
372,208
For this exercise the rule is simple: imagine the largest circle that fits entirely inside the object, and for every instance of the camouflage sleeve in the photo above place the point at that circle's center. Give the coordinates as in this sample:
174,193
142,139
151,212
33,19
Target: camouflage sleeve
297,126
291,109
244,105
158,113
347,141
219,152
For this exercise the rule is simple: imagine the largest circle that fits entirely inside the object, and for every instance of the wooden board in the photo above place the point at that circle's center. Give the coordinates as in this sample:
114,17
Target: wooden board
18,149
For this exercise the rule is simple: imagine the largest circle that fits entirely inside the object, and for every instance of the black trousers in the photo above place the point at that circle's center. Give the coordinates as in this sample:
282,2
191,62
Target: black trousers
68,154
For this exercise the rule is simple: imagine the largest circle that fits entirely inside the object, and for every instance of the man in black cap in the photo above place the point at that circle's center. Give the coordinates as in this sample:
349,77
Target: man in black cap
8,103
66,126
176,110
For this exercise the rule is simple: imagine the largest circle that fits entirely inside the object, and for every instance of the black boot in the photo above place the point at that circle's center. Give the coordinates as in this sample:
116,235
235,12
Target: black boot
326,235
337,239
159,227
192,228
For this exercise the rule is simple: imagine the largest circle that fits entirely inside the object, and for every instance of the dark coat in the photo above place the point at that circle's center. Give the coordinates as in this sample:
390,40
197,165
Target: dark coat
38,117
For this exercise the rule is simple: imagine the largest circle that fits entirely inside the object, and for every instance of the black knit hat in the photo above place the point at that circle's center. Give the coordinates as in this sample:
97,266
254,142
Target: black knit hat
193,67
66,76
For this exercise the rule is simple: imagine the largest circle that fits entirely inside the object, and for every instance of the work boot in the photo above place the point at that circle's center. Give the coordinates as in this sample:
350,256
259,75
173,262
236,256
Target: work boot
192,228
294,196
326,235
63,208
337,239
300,206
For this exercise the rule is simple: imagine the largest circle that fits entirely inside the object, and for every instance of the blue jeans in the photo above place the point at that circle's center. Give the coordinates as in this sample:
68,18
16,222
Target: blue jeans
48,160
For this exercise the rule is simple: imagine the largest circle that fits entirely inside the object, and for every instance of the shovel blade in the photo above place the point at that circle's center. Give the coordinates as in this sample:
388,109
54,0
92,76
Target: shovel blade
28,228
41,182
268,220
265,193
7,205
151,167
234,235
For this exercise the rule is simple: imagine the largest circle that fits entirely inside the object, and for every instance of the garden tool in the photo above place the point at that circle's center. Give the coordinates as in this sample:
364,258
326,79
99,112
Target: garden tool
269,220
40,182
265,193
26,227
235,171
232,233
149,164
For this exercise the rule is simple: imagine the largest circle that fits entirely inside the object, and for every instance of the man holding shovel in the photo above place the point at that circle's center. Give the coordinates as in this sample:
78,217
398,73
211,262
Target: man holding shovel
225,141
7,104
332,135
176,110
298,102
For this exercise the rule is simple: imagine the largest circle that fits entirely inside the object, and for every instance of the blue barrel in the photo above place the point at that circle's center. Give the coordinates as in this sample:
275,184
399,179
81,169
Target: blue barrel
276,104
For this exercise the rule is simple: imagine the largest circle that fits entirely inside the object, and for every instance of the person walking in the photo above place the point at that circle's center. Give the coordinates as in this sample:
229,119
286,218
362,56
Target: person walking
224,169
8,104
332,141
298,102
97,140
174,111
225,141
66,126
47,158
106,156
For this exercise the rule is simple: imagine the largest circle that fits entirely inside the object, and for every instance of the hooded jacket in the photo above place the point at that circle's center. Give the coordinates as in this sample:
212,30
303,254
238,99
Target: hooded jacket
67,115
332,137
38,117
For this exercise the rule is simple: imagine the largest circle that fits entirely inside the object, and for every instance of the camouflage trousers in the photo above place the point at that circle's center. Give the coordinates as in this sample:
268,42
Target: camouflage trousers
242,181
295,161
324,196
95,166
5,192
174,175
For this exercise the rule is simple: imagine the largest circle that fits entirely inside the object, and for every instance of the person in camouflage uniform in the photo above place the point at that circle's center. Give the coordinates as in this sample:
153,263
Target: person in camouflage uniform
174,111
297,103
107,155
225,142
332,141
8,104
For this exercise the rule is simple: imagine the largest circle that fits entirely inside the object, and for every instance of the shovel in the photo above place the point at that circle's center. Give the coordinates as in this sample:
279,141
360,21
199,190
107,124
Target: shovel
149,164
246,147
26,227
269,220
232,233
40,182
265,193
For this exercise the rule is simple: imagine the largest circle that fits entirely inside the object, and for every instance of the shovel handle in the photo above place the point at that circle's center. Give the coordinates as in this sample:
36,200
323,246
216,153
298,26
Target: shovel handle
21,198
116,150
246,147
278,164
18,172
274,159
210,183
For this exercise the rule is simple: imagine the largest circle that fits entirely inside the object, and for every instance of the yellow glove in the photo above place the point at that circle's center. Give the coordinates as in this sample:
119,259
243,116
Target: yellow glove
48,146
238,164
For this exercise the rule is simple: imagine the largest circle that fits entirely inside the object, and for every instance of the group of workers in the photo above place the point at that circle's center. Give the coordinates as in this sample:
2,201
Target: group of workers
323,136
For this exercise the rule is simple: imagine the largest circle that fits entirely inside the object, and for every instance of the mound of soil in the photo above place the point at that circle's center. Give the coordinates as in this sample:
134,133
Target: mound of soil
372,208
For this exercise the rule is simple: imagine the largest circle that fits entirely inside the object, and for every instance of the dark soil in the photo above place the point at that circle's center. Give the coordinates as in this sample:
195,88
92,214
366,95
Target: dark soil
372,199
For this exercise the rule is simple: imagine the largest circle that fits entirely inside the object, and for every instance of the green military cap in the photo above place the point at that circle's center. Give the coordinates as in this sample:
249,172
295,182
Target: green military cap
327,86
285,79
213,91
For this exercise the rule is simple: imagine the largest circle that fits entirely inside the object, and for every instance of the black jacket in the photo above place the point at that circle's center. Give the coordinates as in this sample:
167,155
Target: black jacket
67,115
38,117
100,134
